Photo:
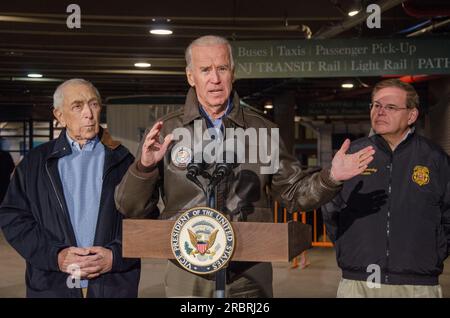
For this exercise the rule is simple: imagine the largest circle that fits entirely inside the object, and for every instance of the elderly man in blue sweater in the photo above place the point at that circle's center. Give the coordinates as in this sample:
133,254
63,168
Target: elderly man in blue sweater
59,211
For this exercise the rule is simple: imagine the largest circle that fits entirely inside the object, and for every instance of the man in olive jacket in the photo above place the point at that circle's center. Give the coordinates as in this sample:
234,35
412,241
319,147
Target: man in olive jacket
160,170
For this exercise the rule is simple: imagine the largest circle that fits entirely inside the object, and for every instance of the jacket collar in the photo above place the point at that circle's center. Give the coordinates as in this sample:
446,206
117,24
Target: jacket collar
62,147
107,140
383,144
191,109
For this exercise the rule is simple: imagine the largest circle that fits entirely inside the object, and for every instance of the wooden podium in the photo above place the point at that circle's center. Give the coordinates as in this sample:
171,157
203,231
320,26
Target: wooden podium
255,241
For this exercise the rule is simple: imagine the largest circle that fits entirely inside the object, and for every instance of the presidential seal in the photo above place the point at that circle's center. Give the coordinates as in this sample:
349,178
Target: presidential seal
181,156
202,240
421,175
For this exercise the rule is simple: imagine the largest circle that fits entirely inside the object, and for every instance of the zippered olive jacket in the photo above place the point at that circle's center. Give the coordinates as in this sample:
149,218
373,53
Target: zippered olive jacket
244,194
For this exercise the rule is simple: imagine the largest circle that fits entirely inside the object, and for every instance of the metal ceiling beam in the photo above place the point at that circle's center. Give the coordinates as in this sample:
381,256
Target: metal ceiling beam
176,18
432,27
143,35
101,71
282,27
29,53
281,19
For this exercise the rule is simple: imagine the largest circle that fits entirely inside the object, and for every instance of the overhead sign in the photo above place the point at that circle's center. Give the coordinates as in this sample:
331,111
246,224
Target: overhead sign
341,57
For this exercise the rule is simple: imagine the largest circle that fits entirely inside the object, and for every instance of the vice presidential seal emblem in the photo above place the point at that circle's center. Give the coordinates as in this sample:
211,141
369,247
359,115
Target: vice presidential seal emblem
202,240
421,175
181,156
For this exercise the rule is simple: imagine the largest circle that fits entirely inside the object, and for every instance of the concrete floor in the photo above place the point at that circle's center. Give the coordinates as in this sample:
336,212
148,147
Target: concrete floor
319,279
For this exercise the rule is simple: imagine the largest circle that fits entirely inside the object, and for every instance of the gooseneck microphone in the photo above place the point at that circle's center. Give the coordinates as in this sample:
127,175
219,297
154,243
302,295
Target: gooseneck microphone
193,170
223,169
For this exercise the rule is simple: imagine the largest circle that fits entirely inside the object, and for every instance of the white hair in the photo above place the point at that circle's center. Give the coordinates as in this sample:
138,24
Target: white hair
208,40
58,95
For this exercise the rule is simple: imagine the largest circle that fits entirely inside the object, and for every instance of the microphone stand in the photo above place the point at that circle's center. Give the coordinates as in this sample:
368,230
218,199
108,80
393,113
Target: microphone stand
221,275
221,171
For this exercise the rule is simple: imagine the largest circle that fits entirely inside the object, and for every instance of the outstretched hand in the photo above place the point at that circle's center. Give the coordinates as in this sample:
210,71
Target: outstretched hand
345,166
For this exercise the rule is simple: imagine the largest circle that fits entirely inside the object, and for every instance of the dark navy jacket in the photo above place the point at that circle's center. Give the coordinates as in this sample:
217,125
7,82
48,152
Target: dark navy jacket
395,215
35,221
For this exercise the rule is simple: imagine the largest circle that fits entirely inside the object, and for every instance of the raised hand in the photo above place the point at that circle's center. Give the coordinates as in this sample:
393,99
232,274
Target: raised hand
152,150
346,166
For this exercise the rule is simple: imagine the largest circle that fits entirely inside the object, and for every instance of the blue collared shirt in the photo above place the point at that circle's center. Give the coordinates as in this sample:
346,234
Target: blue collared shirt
82,178
216,123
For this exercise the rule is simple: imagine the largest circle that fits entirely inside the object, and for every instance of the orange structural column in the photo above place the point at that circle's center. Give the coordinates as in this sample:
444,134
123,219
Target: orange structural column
275,212
315,226
295,262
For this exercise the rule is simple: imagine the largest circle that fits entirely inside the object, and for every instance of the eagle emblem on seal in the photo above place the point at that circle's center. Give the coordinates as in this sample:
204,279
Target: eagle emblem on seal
202,242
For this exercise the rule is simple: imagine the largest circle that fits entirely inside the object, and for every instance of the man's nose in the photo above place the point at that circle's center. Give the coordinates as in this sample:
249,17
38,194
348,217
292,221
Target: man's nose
381,110
215,77
87,111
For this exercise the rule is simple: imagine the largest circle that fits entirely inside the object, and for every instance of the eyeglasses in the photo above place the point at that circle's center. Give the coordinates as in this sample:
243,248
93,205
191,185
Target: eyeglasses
389,108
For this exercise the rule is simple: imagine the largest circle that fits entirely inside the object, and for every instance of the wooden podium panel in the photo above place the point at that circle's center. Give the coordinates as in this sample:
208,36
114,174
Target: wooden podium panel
255,241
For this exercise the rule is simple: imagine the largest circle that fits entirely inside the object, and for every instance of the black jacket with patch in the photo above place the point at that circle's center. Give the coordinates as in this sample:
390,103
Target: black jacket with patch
395,215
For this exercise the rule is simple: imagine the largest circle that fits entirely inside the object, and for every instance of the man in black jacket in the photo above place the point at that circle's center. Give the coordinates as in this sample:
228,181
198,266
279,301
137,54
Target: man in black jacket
391,224
59,211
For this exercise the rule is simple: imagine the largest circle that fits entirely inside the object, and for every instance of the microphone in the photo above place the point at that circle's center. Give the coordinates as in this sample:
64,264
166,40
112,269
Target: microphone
194,169
223,169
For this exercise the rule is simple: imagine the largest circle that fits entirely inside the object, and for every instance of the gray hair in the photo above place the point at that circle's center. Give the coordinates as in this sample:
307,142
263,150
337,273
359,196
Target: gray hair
58,95
412,98
208,40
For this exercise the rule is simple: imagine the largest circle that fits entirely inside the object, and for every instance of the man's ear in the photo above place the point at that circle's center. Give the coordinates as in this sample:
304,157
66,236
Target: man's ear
413,115
190,77
59,116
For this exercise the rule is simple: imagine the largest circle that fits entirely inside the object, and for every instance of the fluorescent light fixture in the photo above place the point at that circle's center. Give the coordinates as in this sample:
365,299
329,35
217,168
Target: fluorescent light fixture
161,31
353,13
34,75
142,64
268,105
347,85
